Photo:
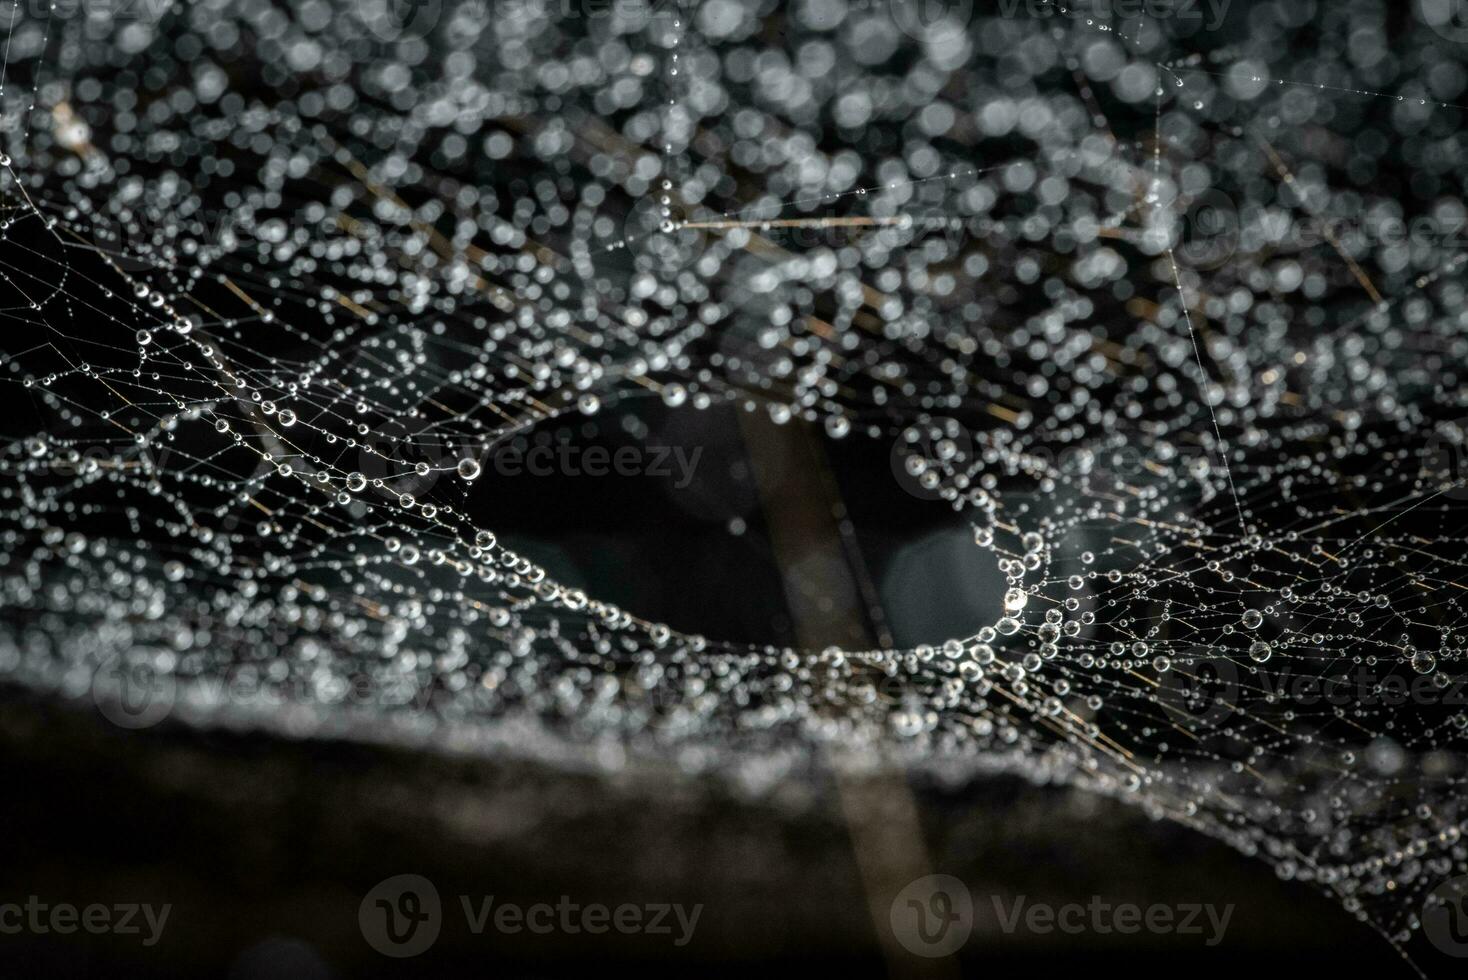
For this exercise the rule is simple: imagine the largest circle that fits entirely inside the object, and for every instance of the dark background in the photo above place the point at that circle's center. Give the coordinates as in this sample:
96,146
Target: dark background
266,847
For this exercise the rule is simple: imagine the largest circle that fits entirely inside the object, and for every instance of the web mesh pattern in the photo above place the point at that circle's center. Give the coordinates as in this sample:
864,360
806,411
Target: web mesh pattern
277,278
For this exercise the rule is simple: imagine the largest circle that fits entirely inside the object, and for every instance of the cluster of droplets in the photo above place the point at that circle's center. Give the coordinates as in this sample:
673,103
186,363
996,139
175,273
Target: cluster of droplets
281,321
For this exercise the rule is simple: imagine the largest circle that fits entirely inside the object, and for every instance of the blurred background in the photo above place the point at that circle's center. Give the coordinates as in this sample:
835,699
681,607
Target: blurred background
266,848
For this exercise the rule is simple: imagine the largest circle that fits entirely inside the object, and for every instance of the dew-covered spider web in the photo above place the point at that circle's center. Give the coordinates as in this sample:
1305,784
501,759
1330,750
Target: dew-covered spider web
1174,320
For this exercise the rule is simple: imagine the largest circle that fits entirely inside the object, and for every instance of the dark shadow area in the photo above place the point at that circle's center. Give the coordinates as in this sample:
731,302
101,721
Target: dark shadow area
266,848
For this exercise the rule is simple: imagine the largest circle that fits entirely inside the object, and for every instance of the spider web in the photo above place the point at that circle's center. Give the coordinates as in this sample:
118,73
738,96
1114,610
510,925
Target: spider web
278,278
